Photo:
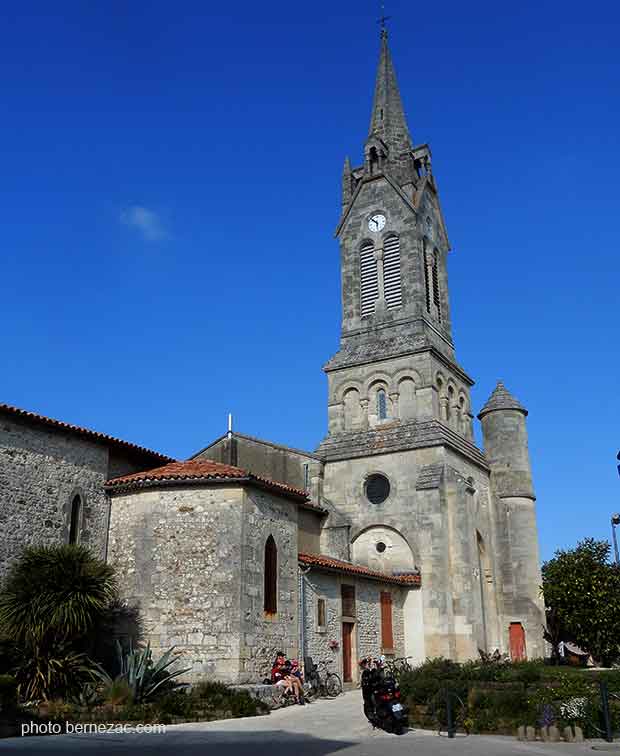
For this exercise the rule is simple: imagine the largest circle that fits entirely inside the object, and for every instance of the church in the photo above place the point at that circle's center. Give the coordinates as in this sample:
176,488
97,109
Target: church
397,535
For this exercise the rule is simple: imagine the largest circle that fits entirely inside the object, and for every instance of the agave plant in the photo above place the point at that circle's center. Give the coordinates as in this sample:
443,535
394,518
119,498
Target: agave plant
143,676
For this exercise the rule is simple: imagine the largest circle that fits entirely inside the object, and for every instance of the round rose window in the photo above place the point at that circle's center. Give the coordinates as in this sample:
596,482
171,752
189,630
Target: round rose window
377,489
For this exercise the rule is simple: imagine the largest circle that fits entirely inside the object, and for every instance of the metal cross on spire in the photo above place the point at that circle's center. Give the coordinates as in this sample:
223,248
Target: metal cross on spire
381,21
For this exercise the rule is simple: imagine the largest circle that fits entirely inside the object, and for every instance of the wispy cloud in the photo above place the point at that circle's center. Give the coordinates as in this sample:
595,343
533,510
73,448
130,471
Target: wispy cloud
147,222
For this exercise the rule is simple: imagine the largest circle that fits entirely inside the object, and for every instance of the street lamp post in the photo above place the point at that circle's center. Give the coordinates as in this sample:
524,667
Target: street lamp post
615,521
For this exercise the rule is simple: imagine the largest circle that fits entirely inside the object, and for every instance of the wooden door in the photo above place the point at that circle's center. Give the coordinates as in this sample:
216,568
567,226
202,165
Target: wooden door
516,637
347,651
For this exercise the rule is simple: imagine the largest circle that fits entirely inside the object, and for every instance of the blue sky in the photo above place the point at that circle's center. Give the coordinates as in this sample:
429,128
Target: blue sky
171,179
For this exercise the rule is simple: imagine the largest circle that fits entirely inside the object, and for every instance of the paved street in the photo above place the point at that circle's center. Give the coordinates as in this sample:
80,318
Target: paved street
324,727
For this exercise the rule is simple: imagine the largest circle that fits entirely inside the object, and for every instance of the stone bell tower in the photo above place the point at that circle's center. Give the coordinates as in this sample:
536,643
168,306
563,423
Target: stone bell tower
405,484
395,302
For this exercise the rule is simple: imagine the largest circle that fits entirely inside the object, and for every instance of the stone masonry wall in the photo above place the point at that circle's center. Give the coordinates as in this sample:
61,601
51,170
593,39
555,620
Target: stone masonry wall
367,635
266,514
179,551
41,471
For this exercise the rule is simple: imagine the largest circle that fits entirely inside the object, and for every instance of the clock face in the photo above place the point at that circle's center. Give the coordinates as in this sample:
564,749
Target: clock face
376,223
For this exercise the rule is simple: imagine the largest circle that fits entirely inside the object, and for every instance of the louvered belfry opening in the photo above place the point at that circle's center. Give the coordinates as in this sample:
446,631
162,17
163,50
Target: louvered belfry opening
391,272
427,282
436,297
369,278
271,576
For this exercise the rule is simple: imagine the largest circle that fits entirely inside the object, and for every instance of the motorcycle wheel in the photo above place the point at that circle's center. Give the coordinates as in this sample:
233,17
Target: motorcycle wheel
333,686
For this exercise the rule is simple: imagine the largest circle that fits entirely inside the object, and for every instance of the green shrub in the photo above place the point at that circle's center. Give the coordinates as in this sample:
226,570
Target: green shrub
117,692
176,704
8,692
500,696
52,671
219,697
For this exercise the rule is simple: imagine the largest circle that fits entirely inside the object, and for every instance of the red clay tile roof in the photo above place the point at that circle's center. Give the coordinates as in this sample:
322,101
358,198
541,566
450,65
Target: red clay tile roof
205,471
336,565
85,432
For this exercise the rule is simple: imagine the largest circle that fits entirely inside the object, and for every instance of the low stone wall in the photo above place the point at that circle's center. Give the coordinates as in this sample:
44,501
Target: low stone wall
263,693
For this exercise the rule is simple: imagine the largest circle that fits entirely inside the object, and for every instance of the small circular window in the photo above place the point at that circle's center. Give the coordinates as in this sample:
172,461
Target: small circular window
381,547
377,489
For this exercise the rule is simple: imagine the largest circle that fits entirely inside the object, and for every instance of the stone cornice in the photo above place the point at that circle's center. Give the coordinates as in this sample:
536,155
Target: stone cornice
332,365
399,437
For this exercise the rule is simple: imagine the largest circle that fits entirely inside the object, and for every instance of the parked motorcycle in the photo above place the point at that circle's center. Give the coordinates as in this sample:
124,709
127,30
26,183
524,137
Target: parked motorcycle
382,705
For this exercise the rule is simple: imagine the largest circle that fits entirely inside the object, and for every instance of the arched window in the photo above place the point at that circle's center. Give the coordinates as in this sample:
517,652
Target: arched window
74,527
373,159
352,409
391,272
369,280
381,405
271,576
407,399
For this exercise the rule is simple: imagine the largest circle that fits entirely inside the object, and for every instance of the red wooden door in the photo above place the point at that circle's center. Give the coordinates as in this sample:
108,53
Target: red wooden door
516,637
347,651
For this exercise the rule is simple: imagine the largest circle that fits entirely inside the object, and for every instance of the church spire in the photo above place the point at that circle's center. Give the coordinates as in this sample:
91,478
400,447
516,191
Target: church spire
387,121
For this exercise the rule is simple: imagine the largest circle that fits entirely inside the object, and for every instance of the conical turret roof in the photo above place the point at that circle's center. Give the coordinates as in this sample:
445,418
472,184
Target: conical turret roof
388,117
501,399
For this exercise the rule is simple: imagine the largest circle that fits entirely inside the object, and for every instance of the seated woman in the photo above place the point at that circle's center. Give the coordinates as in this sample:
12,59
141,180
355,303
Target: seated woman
282,675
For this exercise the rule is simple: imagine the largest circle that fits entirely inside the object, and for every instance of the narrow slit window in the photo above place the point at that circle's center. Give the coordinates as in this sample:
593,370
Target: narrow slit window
391,273
271,577
74,527
321,620
369,279
347,594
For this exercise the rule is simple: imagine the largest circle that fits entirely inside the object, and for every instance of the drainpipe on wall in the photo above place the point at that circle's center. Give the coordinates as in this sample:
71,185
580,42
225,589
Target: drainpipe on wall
302,615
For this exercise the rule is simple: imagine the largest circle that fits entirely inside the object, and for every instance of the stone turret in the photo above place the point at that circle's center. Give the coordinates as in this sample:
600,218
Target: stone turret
506,449
505,443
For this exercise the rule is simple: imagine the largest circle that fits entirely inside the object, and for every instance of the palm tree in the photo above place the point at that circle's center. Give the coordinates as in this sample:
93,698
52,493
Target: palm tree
57,592
52,602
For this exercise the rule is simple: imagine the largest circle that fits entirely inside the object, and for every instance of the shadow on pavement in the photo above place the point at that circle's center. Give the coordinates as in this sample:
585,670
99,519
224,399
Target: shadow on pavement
184,742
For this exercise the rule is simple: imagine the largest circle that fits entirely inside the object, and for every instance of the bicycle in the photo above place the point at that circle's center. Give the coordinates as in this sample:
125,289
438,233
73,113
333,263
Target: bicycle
320,681
396,667
331,684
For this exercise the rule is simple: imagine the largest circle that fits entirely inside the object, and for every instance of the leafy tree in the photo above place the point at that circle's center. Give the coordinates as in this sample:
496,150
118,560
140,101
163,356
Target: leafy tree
581,589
